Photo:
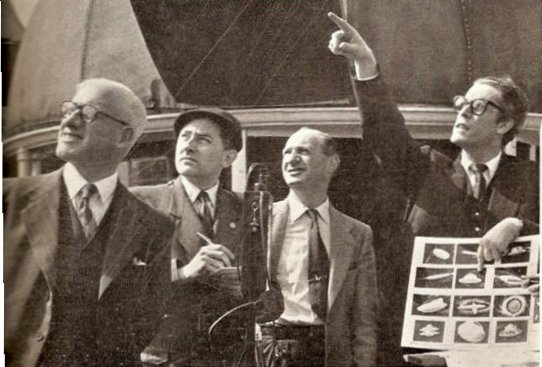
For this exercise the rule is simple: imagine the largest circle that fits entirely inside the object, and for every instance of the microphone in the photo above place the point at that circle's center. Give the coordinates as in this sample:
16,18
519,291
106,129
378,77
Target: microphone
258,204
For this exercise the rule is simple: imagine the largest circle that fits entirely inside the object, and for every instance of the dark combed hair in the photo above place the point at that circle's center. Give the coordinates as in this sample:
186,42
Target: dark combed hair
230,137
514,100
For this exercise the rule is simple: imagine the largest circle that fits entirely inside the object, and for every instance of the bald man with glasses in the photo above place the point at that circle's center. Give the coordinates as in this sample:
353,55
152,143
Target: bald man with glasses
86,264
482,193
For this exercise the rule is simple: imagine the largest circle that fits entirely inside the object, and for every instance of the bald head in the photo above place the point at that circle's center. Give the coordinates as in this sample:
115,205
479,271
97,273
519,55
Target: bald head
99,126
309,160
117,100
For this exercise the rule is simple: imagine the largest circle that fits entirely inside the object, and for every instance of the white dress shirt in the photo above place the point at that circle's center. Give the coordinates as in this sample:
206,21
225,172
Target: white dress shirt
193,191
488,174
293,264
98,203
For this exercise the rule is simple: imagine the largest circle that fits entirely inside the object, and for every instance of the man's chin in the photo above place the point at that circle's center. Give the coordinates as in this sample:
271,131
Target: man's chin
457,140
187,171
293,181
65,153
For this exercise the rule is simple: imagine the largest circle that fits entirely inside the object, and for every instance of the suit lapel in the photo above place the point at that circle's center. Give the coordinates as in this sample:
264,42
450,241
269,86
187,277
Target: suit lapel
187,222
40,220
455,207
227,221
121,246
280,219
503,201
459,177
341,251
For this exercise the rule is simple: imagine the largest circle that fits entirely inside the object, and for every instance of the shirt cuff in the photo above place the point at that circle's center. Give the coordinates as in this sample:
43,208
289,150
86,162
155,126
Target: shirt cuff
358,73
177,273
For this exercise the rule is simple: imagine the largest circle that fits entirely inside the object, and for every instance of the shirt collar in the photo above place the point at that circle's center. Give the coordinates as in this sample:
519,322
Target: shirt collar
74,182
492,164
297,208
193,191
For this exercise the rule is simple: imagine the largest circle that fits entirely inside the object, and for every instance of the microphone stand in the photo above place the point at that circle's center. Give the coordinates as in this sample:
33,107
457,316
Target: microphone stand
256,223
258,204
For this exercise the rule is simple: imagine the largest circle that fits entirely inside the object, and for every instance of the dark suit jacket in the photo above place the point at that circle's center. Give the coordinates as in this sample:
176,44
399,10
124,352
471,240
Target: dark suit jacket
436,185
436,188
134,284
352,293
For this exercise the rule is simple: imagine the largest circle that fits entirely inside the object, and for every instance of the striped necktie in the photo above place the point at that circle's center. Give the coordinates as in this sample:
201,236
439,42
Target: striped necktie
203,209
88,222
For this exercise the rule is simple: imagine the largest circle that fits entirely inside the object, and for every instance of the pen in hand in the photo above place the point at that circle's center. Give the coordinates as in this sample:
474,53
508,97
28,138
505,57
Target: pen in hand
224,254
205,238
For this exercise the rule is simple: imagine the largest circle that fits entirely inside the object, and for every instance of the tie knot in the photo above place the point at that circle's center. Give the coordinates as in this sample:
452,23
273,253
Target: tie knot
478,167
87,191
203,197
313,214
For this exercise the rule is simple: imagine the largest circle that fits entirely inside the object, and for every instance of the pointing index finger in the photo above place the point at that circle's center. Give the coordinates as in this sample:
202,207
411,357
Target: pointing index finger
341,23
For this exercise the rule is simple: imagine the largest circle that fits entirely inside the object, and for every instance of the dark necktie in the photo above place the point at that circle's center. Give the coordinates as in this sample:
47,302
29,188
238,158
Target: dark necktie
203,208
318,270
88,222
480,184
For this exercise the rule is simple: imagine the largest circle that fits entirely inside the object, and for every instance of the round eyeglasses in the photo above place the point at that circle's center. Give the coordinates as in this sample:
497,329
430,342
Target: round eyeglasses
88,112
477,106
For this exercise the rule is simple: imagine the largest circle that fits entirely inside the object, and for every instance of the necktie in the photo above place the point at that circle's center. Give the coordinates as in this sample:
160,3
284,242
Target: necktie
318,270
84,213
203,208
480,181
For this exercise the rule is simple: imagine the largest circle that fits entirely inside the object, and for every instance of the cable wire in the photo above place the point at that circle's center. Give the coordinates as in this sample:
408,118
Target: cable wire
222,36
270,80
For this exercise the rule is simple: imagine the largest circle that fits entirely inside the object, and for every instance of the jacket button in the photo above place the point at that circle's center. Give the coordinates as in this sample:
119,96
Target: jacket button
477,229
40,337
477,214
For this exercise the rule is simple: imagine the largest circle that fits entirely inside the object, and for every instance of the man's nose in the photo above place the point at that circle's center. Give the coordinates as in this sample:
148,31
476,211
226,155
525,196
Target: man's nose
293,158
465,111
189,144
72,120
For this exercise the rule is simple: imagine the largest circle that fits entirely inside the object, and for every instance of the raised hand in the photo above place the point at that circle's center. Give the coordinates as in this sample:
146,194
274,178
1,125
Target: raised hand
347,42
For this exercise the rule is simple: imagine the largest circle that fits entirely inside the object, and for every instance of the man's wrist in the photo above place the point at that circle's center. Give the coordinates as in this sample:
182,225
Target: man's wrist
364,73
180,274
518,223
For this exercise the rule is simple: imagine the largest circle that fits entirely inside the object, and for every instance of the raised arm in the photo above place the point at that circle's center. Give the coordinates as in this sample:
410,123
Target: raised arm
383,125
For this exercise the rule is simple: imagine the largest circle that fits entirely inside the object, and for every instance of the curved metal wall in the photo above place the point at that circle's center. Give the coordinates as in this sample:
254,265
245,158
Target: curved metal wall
432,50
274,52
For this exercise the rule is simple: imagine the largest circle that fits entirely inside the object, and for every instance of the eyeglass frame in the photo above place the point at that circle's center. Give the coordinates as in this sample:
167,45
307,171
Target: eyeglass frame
471,108
80,109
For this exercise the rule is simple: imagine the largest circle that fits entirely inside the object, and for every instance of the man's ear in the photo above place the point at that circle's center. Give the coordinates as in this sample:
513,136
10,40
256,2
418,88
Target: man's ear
335,162
229,158
127,136
505,126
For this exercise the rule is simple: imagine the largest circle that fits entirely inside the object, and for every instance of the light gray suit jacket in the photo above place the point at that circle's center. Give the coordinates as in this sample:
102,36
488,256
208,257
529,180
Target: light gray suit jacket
352,293
172,200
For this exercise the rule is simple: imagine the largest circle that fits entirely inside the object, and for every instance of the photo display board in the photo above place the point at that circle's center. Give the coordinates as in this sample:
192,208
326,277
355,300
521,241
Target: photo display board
453,306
